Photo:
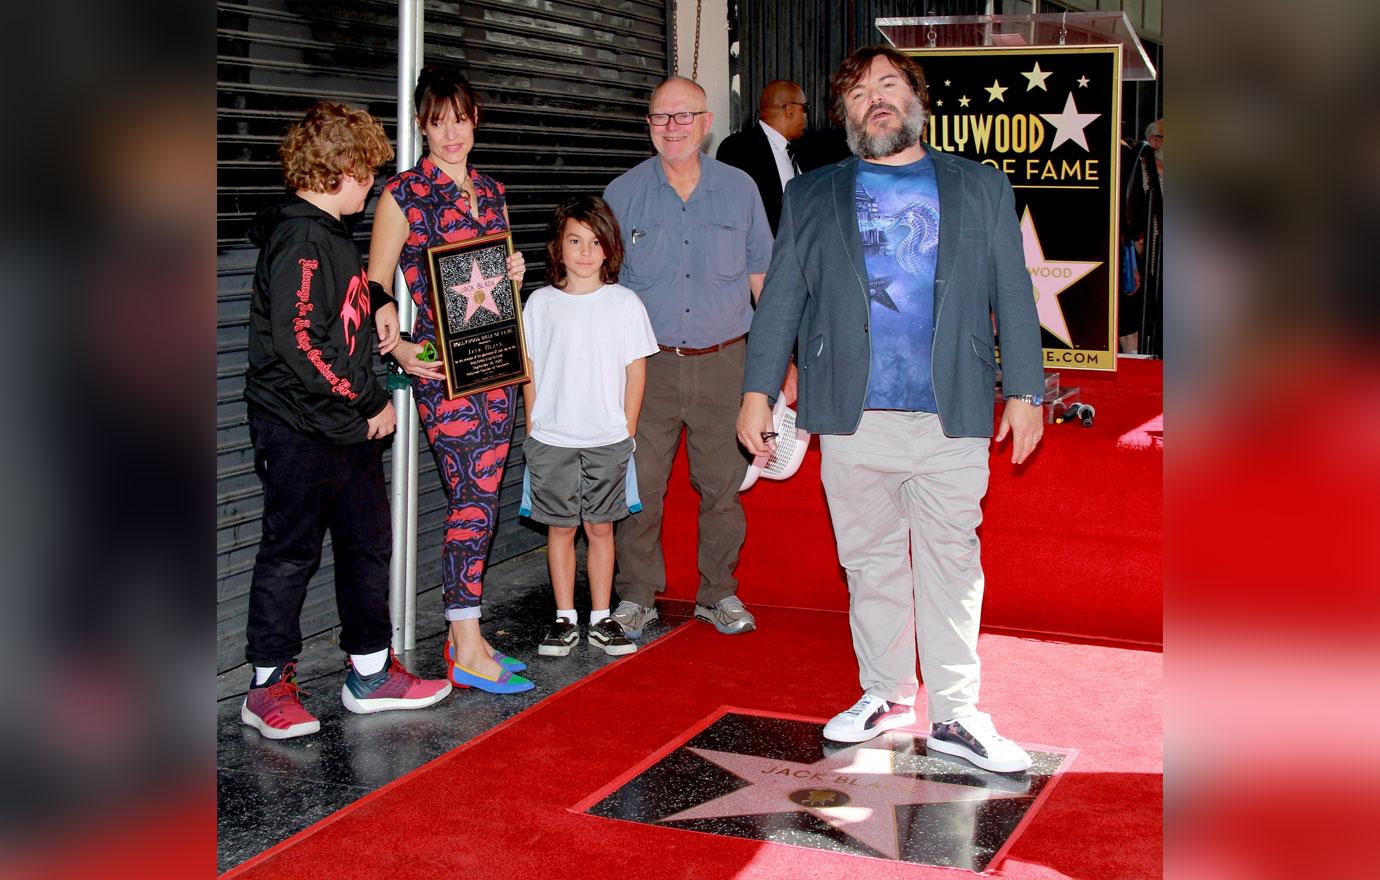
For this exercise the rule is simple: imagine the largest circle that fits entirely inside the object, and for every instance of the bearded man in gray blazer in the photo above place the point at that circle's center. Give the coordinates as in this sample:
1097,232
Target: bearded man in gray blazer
887,271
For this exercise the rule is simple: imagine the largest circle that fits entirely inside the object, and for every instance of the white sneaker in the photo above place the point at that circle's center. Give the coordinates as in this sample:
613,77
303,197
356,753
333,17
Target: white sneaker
867,718
974,739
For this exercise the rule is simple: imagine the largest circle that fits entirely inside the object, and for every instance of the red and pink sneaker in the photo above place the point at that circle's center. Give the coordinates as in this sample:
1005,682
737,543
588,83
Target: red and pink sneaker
393,687
275,708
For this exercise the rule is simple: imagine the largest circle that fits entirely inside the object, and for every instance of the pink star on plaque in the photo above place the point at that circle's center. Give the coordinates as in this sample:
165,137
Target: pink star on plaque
855,791
478,292
1050,278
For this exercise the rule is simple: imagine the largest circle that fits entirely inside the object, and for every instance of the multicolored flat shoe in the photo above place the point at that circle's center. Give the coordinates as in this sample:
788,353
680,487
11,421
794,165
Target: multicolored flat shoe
508,682
512,664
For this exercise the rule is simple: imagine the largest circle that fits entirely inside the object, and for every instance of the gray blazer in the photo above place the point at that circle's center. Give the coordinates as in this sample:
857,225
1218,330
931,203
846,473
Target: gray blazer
816,296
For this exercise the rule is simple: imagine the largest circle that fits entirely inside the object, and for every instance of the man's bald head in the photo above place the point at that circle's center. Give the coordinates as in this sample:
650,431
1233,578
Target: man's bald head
782,106
678,84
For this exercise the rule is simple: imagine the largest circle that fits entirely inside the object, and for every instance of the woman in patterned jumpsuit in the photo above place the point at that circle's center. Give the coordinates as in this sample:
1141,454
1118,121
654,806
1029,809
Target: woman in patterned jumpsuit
445,199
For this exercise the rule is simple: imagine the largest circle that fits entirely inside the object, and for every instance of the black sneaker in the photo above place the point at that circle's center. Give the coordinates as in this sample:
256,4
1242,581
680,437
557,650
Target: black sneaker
607,636
560,638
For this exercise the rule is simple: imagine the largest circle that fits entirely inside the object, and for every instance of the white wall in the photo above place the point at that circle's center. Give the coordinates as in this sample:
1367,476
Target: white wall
713,72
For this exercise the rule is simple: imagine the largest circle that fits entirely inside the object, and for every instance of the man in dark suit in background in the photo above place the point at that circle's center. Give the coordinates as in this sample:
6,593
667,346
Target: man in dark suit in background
765,149
886,273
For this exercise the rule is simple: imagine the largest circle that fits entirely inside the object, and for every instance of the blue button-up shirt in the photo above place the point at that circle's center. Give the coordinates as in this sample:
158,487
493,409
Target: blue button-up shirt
690,260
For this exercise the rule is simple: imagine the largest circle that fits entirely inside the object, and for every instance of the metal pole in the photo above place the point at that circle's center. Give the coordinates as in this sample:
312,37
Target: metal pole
402,573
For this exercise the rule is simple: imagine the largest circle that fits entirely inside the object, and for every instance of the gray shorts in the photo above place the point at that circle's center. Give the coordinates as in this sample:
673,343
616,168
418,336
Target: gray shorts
564,486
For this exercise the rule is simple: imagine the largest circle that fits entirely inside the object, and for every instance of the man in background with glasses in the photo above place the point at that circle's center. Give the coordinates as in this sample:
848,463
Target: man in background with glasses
767,149
697,246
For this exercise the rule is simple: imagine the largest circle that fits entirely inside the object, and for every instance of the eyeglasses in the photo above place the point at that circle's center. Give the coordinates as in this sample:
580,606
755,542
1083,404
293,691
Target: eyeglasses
685,117
801,104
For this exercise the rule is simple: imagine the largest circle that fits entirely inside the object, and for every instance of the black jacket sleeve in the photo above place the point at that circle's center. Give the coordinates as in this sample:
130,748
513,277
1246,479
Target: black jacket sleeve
308,333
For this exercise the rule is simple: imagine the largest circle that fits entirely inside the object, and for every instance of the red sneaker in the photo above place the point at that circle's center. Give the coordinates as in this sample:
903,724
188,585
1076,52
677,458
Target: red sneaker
393,687
275,708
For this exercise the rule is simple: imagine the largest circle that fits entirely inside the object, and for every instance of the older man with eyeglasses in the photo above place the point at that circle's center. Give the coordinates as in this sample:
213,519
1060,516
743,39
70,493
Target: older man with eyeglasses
697,246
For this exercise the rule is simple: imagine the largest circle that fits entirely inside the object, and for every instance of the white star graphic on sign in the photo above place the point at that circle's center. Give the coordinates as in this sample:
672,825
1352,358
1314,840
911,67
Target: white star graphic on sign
1050,278
996,92
947,83
1082,82
855,791
1069,124
963,101
1035,78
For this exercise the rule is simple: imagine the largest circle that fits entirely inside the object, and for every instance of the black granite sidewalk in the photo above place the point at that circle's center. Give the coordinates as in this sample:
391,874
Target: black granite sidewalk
269,790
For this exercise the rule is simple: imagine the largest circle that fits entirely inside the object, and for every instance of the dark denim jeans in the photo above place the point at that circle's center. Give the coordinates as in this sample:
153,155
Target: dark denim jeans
311,486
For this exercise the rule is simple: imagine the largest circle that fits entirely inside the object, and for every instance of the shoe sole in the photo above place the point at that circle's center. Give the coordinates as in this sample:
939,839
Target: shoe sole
301,729
637,633
614,650
555,650
857,736
732,629
958,751
388,704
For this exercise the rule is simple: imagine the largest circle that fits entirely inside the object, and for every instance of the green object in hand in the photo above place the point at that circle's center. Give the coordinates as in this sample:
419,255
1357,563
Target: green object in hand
428,352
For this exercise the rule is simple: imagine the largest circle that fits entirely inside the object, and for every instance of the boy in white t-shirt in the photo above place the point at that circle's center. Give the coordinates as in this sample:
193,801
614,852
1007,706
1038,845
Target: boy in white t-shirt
587,338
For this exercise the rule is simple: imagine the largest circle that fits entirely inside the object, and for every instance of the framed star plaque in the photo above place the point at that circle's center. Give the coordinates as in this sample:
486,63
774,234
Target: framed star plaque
478,314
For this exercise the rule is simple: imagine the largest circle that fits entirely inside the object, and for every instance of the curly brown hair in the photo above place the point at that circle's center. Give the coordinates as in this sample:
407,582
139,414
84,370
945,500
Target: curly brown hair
330,141
856,66
595,213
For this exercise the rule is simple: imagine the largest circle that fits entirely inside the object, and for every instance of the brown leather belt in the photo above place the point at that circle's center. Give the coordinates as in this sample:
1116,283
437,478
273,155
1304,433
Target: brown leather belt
682,351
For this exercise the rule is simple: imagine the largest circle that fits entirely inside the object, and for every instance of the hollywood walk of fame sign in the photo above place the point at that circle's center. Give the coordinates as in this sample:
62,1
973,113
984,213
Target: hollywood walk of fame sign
774,778
1048,117
478,314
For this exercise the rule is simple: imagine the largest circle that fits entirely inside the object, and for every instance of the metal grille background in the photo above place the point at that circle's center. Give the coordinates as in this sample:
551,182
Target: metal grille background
565,90
804,40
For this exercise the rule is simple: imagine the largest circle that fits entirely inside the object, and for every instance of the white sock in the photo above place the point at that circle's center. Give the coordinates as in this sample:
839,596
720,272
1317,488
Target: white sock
261,674
568,615
596,616
370,664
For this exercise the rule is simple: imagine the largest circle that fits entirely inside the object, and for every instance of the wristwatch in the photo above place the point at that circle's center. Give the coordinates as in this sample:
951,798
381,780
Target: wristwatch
1032,399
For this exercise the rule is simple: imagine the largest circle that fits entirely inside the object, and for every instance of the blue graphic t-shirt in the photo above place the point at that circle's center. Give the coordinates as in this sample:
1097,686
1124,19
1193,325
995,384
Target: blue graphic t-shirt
898,216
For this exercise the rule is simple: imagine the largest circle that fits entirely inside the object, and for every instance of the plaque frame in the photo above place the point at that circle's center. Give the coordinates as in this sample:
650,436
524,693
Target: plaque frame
492,341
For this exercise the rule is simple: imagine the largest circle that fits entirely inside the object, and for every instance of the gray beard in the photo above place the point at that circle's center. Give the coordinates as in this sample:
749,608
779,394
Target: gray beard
889,143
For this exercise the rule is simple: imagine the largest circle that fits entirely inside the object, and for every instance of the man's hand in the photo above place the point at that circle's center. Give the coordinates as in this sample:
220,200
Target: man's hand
754,420
386,323
382,424
1024,422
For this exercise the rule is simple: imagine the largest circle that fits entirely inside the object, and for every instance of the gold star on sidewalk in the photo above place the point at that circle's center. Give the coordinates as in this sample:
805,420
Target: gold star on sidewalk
1036,77
855,791
996,92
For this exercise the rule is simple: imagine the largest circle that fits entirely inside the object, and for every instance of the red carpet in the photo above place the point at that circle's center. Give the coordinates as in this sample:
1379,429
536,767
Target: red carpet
498,807
1071,539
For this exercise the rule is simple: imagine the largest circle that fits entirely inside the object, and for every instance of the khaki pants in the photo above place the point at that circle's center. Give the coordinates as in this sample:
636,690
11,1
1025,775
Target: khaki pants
702,393
906,503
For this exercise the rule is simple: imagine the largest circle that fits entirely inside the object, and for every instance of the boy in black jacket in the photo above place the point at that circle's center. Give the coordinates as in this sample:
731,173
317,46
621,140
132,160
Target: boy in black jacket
316,416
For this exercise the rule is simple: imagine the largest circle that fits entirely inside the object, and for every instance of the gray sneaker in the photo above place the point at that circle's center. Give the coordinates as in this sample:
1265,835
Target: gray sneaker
633,618
728,616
